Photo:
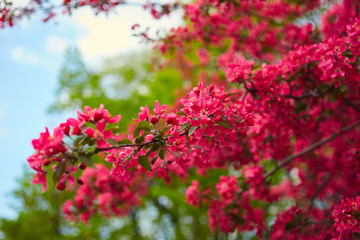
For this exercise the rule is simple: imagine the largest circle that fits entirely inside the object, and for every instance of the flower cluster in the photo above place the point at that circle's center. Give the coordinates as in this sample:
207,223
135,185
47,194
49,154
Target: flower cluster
346,216
53,154
286,136
102,192
161,142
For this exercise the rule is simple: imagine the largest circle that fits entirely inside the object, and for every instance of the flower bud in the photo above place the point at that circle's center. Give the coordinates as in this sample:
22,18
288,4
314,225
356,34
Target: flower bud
153,119
79,181
218,118
60,186
82,166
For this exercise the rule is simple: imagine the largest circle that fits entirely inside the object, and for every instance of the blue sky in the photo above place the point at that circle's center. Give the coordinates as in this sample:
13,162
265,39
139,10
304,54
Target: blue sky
31,54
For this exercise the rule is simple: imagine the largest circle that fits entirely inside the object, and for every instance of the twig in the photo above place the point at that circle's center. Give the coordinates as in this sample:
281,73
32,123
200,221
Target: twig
186,131
244,95
311,148
125,145
311,93
318,191
351,104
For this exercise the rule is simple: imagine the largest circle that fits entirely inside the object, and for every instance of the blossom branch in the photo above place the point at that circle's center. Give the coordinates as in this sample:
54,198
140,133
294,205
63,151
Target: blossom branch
318,191
311,93
126,145
351,104
311,148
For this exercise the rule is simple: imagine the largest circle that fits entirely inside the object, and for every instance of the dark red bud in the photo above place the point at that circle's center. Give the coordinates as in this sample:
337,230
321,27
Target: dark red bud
218,118
153,119
82,166
211,88
249,108
250,121
79,181
243,132
46,162
98,116
60,186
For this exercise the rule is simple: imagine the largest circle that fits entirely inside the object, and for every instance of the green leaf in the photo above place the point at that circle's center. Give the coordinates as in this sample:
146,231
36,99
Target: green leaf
165,129
90,150
356,214
278,176
78,140
153,148
301,106
180,113
60,169
144,125
144,162
88,140
192,130
223,124
343,88
136,132
162,154
87,160
125,141
114,129
140,139
231,94
184,126
160,124
112,141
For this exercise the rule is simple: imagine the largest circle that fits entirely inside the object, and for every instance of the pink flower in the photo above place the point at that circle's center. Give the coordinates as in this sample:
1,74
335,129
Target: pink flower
227,187
100,133
239,70
40,178
143,114
172,119
193,194
205,126
203,55
159,110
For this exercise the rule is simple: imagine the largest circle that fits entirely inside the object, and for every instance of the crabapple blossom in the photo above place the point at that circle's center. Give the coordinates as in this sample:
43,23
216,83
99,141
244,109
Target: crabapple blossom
274,111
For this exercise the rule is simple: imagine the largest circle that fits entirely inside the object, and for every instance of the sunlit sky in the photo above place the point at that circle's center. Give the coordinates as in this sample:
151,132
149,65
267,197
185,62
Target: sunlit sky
31,54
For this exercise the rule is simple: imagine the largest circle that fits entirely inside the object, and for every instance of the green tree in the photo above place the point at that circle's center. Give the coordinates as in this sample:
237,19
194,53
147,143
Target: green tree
123,84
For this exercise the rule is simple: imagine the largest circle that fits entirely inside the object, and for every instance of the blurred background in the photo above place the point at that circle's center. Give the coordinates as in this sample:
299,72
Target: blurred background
48,70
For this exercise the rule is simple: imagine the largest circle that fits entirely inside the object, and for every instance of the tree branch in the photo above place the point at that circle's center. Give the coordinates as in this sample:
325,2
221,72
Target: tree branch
318,191
186,131
311,148
351,104
311,93
125,145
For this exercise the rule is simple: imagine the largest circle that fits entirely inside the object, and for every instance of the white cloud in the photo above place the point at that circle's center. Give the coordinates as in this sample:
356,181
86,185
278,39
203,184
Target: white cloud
55,45
104,36
22,55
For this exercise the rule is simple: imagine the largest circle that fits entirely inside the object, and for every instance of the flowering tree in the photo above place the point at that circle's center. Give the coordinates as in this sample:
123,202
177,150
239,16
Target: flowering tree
275,108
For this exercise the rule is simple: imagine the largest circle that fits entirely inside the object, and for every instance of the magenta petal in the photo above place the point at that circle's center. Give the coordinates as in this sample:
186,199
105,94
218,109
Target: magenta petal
209,131
142,116
108,134
101,143
115,119
39,178
199,132
72,121
195,123
90,132
100,126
